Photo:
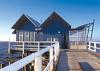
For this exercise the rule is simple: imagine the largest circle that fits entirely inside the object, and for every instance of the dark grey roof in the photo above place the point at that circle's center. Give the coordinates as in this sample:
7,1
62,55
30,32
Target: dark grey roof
83,26
33,21
23,17
53,16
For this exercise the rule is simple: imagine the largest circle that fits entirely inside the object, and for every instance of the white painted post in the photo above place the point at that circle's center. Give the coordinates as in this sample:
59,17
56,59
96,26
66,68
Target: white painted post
23,48
55,50
89,45
23,52
0,66
38,64
58,48
9,46
51,57
51,40
38,61
34,36
95,46
38,46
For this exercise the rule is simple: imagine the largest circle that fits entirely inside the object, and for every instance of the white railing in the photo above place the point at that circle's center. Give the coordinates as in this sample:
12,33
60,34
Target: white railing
28,45
94,46
37,57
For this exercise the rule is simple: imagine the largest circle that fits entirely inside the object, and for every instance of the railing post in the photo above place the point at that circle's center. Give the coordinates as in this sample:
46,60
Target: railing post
89,45
55,50
0,66
23,47
95,46
58,48
51,57
9,46
38,61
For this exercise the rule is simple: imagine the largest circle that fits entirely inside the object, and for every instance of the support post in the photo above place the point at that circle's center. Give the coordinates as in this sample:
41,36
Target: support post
32,66
55,50
9,46
87,38
38,46
92,30
51,57
38,61
95,46
58,48
51,40
0,66
38,64
34,37
89,45
23,48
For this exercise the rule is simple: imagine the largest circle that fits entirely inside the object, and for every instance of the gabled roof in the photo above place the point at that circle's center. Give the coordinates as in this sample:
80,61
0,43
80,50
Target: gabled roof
55,16
33,21
23,19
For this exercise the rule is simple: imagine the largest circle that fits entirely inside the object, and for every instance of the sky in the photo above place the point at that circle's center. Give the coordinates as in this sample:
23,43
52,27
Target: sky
75,12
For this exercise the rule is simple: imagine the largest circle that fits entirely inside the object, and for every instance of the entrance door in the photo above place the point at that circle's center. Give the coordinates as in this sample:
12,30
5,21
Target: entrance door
64,41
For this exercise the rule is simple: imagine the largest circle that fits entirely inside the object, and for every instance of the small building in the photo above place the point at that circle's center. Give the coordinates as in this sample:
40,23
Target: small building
28,29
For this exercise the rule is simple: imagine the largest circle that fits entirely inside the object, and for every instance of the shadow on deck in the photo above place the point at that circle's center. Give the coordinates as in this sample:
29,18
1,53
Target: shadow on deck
62,62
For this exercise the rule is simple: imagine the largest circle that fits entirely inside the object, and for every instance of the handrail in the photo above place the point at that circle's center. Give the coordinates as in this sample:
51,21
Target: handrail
28,59
94,46
36,41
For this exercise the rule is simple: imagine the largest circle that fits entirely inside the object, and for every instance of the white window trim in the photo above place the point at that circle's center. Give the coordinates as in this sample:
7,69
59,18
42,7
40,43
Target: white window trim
32,36
26,35
20,36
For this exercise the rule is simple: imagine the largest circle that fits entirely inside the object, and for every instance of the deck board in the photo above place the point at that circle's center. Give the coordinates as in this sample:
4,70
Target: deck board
70,60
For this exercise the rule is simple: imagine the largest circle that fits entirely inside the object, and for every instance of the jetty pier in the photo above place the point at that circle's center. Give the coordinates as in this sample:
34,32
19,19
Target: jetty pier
59,59
53,45
36,58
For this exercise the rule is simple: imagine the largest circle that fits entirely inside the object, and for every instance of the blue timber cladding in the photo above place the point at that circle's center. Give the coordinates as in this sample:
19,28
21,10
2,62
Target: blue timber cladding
55,27
27,27
55,24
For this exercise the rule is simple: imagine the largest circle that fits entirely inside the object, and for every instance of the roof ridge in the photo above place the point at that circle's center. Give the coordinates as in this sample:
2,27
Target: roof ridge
30,19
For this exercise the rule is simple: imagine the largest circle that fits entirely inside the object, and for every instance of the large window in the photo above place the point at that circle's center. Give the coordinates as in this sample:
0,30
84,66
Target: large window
26,36
20,36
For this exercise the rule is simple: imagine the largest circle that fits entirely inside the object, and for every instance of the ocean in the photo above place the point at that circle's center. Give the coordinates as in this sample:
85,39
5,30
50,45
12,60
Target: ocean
3,47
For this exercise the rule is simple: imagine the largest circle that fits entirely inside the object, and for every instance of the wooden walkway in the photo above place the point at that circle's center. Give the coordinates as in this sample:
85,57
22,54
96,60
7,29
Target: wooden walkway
77,60
62,62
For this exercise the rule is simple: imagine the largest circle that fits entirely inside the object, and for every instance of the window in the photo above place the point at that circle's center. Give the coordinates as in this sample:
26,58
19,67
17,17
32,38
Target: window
92,48
26,36
20,36
92,44
98,45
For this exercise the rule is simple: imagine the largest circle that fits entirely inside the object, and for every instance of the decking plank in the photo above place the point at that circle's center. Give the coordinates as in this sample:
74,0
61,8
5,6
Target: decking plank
69,61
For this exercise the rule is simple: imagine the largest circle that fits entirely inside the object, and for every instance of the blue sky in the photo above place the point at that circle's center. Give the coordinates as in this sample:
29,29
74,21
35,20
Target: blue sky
75,12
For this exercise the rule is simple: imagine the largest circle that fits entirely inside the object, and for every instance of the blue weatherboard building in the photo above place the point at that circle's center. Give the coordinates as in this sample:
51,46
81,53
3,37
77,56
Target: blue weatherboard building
28,29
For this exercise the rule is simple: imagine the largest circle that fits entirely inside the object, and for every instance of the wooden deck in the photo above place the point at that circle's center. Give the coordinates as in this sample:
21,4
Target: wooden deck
77,60
62,63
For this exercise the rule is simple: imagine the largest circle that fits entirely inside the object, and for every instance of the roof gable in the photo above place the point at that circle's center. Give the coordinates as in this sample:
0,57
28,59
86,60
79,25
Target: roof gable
54,17
25,19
